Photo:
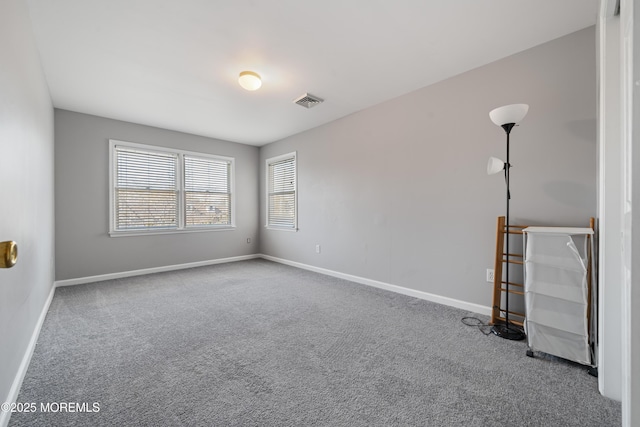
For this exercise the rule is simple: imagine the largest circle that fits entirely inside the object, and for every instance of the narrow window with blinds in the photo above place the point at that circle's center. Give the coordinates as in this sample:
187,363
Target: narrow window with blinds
163,190
207,192
282,192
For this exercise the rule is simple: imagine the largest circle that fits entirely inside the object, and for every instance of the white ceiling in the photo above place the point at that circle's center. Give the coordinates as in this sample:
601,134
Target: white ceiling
174,64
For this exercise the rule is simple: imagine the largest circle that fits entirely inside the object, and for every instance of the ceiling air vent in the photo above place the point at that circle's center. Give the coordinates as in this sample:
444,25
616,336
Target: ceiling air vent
307,100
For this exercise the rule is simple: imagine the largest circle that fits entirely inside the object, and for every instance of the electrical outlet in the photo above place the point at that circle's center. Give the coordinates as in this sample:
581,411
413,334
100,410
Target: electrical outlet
490,275
317,249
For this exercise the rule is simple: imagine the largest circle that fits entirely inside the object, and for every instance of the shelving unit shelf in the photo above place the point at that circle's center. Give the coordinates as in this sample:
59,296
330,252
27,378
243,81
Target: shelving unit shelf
499,285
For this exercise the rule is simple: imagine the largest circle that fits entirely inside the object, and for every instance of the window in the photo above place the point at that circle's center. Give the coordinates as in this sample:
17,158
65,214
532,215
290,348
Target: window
157,190
207,191
145,192
282,192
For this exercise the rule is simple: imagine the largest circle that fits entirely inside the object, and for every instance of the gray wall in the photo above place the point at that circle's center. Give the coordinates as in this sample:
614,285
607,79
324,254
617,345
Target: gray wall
399,192
83,246
26,193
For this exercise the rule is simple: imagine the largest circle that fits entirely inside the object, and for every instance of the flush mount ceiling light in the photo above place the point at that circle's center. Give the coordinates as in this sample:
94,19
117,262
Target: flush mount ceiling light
250,80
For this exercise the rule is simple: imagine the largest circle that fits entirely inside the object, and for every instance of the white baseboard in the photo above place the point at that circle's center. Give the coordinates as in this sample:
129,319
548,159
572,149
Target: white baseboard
475,308
26,359
141,272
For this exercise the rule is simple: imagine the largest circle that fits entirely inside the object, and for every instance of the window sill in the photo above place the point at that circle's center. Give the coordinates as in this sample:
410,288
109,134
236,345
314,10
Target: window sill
270,227
180,231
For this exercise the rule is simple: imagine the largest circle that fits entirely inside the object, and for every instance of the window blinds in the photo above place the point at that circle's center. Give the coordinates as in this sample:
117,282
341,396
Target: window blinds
167,190
146,195
281,210
207,191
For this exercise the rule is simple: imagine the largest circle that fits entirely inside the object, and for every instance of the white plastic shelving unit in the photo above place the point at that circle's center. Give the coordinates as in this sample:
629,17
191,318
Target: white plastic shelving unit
557,292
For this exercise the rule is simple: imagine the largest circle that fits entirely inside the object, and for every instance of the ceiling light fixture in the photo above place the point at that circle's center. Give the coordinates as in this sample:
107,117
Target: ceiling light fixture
250,80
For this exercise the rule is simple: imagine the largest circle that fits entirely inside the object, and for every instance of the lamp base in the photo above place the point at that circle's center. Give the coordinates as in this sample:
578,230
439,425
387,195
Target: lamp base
504,331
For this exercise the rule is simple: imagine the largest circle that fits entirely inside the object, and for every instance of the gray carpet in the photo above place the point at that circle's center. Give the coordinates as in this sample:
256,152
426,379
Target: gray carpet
257,343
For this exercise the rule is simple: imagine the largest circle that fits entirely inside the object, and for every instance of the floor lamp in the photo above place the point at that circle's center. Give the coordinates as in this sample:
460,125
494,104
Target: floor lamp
506,117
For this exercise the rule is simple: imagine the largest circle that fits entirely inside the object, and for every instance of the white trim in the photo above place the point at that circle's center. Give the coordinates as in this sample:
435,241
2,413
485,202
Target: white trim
464,305
169,150
271,227
141,272
476,308
112,153
601,50
630,204
171,231
26,360
609,336
232,189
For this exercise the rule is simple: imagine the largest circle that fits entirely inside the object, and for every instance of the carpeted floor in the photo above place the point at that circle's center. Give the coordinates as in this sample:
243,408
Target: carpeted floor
256,343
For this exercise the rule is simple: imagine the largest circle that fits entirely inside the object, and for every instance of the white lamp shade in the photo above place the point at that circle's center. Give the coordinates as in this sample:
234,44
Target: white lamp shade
508,114
249,80
494,166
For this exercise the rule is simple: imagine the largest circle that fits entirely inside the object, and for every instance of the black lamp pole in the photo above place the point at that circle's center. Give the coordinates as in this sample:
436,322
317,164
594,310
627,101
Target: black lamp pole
505,331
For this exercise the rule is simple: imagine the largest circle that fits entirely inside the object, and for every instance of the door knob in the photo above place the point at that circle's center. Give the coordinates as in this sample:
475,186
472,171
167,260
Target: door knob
8,254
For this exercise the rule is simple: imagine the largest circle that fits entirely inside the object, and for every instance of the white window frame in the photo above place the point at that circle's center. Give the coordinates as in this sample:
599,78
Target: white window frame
275,160
181,227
